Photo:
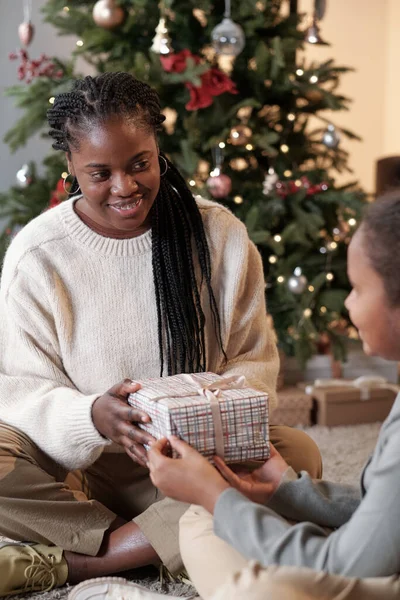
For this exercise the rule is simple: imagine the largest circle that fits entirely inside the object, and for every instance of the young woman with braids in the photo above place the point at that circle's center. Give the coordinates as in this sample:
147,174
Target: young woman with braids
132,277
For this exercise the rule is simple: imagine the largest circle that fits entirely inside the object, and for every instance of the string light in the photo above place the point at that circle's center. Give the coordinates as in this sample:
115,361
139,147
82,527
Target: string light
284,148
66,9
235,134
297,183
280,279
313,79
323,309
273,259
352,222
238,199
192,182
332,246
323,250
291,117
330,276
287,173
277,238
221,144
311,288
52,100
79,43
249,147
307,313
299,72
64,175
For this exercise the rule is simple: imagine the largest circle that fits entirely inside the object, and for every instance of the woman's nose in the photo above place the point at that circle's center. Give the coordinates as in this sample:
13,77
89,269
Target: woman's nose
124,185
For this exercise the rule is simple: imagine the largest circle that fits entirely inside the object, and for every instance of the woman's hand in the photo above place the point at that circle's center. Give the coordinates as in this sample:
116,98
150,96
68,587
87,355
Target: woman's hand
258,485
116,420
190,478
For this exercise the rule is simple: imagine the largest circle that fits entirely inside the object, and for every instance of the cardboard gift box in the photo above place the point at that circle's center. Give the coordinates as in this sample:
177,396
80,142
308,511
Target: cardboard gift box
214,414
341,402
294,408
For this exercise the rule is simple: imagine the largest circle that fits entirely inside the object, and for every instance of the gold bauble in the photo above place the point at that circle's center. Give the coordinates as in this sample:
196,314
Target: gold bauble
314,95
107,14
240,135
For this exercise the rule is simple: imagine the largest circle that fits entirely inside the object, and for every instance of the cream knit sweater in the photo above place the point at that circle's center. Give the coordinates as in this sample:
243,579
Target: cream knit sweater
78,315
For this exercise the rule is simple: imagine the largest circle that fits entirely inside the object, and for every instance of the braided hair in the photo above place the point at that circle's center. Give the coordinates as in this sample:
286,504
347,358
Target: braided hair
177,226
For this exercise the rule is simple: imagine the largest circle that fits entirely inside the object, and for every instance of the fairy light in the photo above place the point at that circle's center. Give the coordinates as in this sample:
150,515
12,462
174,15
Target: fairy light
299,72
287,173
311,288
222,144
192,182
307,313
273,259
332,246
323,250
52,100
238,199
352,222
297,183
277,238
323,309
329,276
280,279
64,175
313,79
285,148
249,147
235,134
291,117
79,43
66,9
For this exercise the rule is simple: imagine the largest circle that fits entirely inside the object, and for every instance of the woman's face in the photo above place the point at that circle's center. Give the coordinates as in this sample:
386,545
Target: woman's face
118,172
377,322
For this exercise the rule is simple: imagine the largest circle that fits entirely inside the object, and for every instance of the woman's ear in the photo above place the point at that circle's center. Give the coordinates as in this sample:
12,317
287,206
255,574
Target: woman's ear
69,163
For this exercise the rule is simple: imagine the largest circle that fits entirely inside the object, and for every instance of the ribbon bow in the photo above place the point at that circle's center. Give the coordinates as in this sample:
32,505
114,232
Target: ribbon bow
212,392
365,384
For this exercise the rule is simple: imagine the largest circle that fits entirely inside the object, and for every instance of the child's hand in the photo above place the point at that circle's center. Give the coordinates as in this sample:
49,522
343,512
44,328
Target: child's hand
190,478
258,485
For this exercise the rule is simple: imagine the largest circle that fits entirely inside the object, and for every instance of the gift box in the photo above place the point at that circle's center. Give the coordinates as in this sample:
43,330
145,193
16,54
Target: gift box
341,402
216,415
294,408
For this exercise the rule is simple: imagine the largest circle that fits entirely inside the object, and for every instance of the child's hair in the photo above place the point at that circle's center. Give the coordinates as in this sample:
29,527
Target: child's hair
176,219
381,228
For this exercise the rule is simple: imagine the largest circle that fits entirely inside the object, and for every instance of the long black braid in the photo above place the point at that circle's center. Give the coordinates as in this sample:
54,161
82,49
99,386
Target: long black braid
177,226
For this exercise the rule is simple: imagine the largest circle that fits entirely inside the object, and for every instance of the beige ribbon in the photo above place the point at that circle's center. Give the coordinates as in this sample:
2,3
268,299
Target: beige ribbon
365,384
212,392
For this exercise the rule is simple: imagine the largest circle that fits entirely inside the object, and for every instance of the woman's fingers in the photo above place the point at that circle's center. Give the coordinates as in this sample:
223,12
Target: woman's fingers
226,472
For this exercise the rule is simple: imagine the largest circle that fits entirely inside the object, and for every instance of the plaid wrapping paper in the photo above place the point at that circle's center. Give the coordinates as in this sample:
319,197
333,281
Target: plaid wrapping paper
178,406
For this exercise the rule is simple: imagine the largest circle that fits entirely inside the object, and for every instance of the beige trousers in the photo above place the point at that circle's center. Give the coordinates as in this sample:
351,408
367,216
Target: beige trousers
41,502
219,572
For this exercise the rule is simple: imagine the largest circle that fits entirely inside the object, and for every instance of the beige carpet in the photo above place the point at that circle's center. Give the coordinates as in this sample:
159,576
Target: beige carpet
344,451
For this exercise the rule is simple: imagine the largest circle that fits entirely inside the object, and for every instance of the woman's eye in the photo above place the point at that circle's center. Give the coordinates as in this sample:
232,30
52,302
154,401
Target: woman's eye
140,166
100,175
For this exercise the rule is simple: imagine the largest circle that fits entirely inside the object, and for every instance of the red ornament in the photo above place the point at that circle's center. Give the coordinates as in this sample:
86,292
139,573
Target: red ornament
60,193
176,63
219,185
25,33
29,68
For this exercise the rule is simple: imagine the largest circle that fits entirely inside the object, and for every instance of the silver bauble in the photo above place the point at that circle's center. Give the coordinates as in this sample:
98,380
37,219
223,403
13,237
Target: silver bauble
23,176
331,138
297,284
228,37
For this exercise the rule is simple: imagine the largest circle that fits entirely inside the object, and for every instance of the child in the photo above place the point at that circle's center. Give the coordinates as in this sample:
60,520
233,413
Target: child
359,556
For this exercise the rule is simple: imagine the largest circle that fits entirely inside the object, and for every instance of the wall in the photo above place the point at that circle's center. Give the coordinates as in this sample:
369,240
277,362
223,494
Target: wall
363,35
45,40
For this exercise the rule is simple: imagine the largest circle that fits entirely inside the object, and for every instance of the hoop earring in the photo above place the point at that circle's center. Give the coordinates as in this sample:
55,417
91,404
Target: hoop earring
160,157
70,192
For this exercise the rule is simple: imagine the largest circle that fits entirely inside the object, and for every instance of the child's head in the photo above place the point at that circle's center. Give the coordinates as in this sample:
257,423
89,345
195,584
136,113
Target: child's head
373,268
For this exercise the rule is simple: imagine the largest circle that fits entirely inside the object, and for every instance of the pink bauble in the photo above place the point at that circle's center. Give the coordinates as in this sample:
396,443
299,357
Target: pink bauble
107,14
25,33
219,185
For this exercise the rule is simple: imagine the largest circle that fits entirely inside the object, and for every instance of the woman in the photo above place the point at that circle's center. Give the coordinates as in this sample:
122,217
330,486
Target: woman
131,278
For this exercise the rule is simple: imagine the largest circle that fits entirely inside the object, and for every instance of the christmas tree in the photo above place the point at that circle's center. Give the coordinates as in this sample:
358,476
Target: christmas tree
240,109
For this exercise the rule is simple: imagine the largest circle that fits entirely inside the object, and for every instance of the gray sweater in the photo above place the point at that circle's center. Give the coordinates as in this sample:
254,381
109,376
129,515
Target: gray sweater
366,520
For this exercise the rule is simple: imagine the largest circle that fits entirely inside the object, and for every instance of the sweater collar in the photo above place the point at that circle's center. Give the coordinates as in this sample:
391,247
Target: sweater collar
77,229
